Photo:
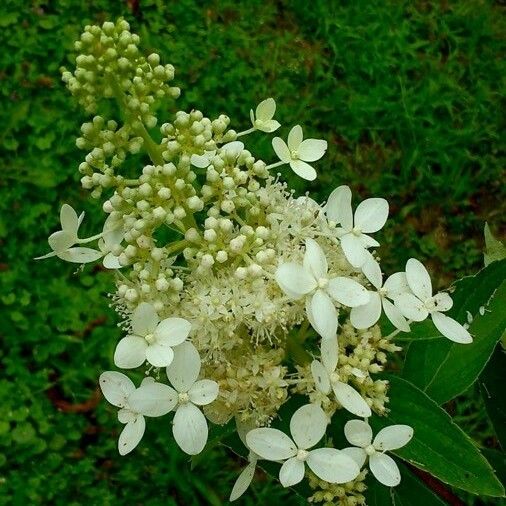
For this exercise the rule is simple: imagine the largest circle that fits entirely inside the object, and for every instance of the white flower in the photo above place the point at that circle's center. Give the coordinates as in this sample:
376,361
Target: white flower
307,427
382,466
262,119
311,280
189,424
112,236
299,151
244,479
61,242
417,306
233,149
150,399
151,339
326,378
369,217
366,316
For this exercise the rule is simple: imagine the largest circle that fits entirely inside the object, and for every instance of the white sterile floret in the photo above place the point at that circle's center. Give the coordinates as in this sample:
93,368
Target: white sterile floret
367,315
150,399
151,339
370,216
297,152
326,378
262,118
189,425
417,306
232,149
311,280
61,242
112,236
307,427
382,466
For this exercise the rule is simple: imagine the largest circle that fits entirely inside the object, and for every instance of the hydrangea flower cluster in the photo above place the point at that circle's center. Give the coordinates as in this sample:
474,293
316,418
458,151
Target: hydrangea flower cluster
238,293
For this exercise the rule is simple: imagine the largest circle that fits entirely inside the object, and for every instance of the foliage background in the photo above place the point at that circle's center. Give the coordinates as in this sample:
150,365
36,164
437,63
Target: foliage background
408,94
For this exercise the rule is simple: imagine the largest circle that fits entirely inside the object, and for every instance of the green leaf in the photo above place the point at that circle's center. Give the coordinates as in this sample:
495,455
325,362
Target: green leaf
444,369
494,249
439,446
414,492
497,460
492,390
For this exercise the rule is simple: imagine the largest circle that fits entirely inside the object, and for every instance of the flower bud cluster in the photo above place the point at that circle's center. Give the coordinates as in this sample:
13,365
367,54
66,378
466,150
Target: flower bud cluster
330,494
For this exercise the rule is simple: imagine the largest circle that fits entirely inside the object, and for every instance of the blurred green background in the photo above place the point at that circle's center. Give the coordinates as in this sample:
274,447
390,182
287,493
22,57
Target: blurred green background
408,95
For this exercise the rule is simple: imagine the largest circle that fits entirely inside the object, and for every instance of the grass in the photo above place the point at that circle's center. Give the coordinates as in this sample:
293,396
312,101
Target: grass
408,94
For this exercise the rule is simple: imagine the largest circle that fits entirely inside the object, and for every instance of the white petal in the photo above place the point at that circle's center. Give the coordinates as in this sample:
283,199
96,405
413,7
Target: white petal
190,428
393,437
348,292
451,329
159,355
203,392
368,242
320,376
116,387
291,472
233,148
308,425
372,272
385,469
271,444
371,215
351,400
303,170
281,149
185,368
61,240
269,126
202,161
144,319
329,353
172,331
357,454
131,435
311,150
68,219
111,262
47,255
294,280
80,255
266,109
443,301
114,235
411,307
295,138
153,399
366,316
130,352
332,465
396,285
126,415
358,433
315,260
418,279
243,481
353,250
324,315
338,208
395,316
252,117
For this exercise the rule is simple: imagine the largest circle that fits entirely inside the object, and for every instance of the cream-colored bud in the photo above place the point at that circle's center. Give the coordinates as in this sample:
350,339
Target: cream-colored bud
131,294
241,273
157,254
159,213
207,261
210,235
221,256
164,193
227,206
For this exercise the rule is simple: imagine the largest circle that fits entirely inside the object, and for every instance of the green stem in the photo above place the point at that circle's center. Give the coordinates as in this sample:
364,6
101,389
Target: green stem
274,165
246,132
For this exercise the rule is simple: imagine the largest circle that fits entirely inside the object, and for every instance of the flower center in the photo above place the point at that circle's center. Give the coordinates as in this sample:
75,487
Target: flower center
370,450
382,292
294,155
356,231
334,377
323,282
302,455
258,122
430,304
183,397
150,338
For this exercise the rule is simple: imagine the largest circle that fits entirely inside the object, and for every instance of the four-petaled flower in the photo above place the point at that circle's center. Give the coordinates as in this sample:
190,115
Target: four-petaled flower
369,217
112,236
189,425
150,399
311,280
151,339
326,378
366,316
307,427
382,466
417,306
262,118
299,151
232,149
61,242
